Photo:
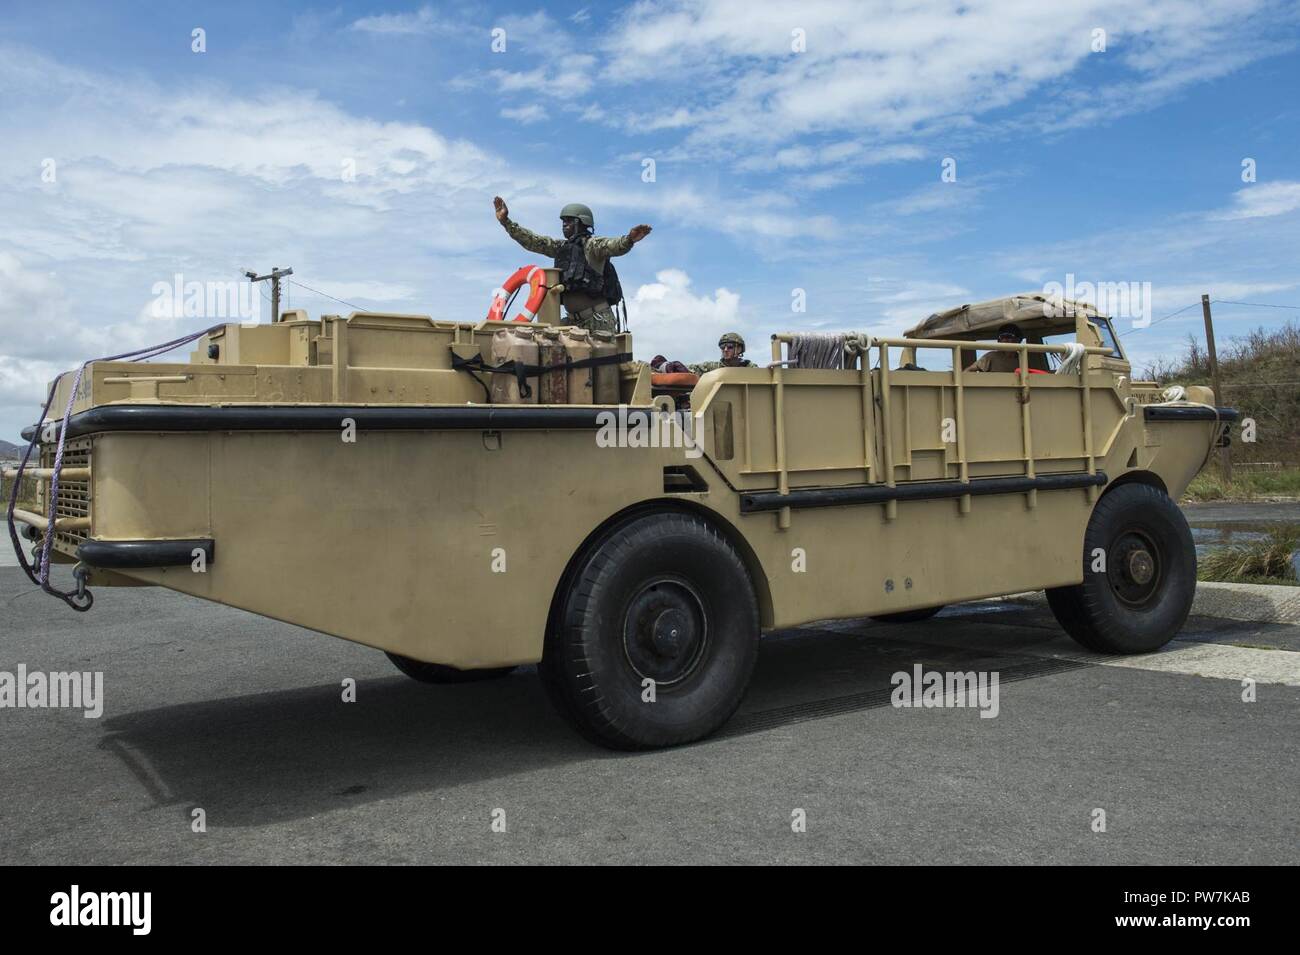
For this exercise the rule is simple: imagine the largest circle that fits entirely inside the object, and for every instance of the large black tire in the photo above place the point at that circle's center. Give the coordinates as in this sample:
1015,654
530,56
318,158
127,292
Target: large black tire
438,673
1142,597
664,598
909,616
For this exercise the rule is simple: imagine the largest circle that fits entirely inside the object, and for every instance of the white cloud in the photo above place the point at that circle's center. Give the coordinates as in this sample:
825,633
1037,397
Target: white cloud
422,21
852,152
810,168
566,78
1263,199
897,304
936,196
668,318
734,71
533,113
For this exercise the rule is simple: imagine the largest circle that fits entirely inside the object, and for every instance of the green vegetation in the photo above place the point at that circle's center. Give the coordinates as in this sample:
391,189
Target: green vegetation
1246,485
26,494
1260,376
1264,561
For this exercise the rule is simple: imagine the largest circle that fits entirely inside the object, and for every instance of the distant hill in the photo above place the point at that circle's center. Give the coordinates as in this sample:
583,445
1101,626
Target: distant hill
10,452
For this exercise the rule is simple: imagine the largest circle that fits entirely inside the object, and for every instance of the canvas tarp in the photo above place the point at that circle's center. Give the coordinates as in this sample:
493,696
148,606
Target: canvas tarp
1026,309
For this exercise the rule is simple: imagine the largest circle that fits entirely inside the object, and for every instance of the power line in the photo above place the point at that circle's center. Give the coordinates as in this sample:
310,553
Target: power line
1164,318
326,295
1217,301
1224,301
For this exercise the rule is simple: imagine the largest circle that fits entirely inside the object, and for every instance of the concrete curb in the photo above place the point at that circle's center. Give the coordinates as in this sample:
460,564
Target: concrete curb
1254,603
1259,603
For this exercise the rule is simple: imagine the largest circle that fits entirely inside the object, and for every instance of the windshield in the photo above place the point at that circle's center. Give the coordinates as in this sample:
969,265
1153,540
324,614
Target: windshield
1107,338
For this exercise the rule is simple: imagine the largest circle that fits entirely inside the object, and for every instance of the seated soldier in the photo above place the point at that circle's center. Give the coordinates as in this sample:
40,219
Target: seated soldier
1000,360
732,347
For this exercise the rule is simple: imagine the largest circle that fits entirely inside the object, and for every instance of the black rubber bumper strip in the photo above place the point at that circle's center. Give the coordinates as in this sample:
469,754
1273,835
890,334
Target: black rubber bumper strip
1166,413
920,491
115,555
330,418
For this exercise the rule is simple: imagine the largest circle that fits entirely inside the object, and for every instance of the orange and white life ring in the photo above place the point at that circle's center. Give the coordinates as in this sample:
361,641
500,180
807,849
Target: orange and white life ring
535,276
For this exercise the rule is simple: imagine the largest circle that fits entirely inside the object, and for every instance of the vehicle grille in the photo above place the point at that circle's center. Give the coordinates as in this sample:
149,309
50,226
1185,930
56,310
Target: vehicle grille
74,496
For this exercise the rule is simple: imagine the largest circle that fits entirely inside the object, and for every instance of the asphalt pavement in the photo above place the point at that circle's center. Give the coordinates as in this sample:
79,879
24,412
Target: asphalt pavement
210,708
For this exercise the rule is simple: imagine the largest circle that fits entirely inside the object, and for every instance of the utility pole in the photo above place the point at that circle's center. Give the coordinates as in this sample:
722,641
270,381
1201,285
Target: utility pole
1214,377
274,275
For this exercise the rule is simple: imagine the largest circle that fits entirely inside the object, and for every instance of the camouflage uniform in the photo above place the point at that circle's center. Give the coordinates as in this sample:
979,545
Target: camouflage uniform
700,368
593,314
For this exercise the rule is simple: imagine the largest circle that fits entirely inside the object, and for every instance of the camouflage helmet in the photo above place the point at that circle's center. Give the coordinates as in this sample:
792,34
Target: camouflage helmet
580,212
732,338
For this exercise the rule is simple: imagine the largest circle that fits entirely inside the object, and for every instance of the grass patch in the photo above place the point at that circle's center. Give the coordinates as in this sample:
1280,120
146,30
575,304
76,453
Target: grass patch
1263,561
1257,374
1211,485
26,494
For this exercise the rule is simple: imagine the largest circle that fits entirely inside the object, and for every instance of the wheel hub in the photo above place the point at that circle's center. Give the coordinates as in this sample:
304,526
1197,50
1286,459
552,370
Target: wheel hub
1134,568
669,634
1141,567
665,631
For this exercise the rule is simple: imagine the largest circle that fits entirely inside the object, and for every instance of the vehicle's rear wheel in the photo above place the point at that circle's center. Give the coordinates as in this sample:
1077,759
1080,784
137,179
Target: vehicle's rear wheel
909,616
656,637
438,673
1141,589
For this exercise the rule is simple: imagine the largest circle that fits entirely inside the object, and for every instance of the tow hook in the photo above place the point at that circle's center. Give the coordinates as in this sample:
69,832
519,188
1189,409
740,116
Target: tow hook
81,599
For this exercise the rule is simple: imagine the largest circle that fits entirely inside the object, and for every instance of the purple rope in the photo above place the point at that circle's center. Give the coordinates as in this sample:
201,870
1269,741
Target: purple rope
41,577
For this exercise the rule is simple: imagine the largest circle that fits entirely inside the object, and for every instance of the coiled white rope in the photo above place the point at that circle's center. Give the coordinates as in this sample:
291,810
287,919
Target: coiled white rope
1073,358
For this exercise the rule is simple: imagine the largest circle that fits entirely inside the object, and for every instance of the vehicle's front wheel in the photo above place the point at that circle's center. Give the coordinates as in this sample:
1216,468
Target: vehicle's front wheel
1139,578
438,673
656,636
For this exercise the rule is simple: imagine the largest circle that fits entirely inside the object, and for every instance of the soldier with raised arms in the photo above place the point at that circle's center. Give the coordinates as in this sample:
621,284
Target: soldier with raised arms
591,286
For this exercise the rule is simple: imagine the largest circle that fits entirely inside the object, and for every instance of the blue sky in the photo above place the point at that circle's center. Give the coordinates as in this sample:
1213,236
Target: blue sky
794,147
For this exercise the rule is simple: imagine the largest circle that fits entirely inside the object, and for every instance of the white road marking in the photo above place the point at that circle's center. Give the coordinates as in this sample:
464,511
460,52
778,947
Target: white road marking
1216,660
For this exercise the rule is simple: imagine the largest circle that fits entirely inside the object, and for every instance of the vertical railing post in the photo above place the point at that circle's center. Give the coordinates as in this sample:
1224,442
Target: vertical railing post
868,417
778,389
1025,425
340,369
887,430
1085,392
959,409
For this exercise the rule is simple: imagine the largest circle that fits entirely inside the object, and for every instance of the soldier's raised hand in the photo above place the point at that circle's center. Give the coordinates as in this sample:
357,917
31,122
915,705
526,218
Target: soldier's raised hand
638,232
502,212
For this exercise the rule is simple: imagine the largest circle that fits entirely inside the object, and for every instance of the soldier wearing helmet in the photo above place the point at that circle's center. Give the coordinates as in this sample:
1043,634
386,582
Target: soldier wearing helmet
591,286
1000,360
732,347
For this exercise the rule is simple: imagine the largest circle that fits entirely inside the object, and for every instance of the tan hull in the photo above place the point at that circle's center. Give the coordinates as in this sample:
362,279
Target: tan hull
449,545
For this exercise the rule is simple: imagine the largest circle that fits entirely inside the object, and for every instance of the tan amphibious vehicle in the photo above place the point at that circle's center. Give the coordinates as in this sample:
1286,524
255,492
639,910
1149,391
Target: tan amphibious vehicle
471,496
